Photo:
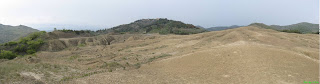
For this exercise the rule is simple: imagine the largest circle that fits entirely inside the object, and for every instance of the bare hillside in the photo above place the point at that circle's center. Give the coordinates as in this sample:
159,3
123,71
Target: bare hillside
245,55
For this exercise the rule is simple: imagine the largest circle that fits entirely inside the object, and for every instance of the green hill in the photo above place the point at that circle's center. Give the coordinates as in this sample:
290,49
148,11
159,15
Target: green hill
10,33
302,27
161,26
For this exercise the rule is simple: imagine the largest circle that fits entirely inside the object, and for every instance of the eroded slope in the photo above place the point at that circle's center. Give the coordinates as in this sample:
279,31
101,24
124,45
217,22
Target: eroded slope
241,55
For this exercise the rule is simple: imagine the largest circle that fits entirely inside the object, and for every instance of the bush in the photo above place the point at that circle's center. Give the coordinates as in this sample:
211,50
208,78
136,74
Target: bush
29,44
7,55
31,51
32,36
81,45
111,65
164,31
35,44
10,43
24,40
20,48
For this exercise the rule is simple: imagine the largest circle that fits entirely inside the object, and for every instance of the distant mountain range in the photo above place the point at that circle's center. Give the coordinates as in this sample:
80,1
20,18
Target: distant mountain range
10,33
160,25
222,28
303,27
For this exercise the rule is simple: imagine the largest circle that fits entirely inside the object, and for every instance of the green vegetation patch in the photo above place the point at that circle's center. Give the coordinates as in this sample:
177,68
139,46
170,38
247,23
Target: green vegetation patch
78,32
73,57
81,45
291,31
111,65
157,57
26,45
161,26
7,55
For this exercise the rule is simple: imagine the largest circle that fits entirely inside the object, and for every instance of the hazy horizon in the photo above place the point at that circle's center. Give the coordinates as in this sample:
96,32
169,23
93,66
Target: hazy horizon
99,14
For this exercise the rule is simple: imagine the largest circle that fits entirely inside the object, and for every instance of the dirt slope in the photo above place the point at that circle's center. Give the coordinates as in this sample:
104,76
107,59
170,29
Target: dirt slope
246,55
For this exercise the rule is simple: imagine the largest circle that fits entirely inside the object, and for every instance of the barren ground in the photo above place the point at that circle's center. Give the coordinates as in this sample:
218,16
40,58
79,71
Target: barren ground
246,55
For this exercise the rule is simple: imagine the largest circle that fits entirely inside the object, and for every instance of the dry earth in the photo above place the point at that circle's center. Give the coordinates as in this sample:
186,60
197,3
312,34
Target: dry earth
246,55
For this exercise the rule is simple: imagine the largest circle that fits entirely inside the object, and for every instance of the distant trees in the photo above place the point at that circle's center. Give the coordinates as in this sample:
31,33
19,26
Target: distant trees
78,32
291,31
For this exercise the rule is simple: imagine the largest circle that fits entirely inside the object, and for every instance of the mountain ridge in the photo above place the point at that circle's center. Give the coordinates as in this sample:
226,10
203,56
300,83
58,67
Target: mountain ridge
11,33
302,27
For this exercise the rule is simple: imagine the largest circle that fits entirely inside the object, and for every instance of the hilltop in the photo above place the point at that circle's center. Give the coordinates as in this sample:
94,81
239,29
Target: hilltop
302,27
248,54
11,33
161,26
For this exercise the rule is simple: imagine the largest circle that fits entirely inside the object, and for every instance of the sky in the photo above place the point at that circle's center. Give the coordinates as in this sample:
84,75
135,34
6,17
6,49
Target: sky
42,14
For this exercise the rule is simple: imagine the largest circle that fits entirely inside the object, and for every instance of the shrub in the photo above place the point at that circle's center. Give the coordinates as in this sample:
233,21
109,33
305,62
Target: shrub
164,31
137,65
29,44
20,48
30,37
81,45
161,56
35,44
10,43
111,65
24,40
31,51
7,55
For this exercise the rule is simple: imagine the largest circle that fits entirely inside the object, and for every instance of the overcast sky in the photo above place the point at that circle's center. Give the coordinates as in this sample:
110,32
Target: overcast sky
206,13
